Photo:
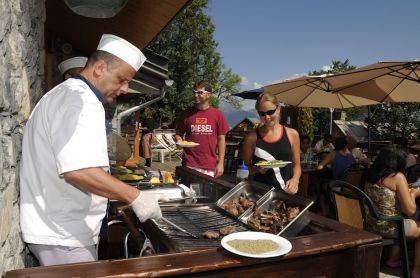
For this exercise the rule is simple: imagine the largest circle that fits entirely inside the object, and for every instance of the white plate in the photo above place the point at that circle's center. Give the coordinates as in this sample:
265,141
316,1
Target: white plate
284,245
188,145
274,165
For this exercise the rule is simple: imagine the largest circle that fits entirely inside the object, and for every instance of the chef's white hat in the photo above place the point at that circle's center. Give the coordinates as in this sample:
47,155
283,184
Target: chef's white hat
123,50
75,62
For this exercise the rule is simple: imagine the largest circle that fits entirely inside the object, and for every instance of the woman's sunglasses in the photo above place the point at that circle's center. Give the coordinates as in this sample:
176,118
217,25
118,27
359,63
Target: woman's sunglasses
269,112
199,92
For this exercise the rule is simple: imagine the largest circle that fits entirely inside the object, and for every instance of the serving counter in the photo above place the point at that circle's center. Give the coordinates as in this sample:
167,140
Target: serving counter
325,248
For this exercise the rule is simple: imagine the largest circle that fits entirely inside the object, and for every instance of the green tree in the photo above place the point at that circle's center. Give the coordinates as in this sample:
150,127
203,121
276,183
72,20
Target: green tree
305,122
389,121
189,45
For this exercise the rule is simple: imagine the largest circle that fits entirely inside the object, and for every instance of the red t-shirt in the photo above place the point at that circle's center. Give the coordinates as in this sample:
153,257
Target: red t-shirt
203,127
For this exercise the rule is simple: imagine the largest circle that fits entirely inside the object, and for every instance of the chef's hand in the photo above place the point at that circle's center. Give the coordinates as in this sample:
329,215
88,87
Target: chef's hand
146,206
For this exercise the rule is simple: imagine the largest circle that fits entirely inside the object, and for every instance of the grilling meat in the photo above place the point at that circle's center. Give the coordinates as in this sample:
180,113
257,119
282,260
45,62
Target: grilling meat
227,230
292,212
275,219
211,234
238,206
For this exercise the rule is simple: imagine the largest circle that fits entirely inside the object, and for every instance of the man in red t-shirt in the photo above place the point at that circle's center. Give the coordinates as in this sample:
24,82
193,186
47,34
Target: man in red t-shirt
206,126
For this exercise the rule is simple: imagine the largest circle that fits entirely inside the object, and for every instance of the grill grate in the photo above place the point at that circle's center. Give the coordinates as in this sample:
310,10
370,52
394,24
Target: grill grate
196,219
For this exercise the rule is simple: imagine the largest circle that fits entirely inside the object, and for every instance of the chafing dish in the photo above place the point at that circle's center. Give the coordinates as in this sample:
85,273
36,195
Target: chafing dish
268,202
251,189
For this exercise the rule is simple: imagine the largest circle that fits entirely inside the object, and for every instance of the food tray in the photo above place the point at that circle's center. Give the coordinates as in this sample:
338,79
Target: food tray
162,191
268,201
251,189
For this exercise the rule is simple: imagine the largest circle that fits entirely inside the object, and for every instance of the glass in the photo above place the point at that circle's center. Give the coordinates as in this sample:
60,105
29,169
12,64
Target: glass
200,92
269,112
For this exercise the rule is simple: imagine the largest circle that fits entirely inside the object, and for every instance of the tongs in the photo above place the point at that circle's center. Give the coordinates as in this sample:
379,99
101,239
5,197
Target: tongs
178,227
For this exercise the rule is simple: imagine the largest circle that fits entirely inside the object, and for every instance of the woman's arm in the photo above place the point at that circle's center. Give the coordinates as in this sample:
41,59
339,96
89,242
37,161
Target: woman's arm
292,185
407,202
327,160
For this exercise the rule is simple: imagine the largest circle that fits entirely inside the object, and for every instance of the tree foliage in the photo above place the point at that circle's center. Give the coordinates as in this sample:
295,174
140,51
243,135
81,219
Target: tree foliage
189,45
389,121
305,122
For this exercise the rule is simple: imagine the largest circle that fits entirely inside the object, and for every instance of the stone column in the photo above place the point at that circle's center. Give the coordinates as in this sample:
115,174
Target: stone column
21,85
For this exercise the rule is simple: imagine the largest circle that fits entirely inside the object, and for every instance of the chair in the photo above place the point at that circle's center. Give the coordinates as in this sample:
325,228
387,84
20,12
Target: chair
352,206
169,138
412,173
232,157
355,174
162,147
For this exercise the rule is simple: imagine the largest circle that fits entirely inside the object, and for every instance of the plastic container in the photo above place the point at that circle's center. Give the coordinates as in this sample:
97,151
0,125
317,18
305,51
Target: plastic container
242,173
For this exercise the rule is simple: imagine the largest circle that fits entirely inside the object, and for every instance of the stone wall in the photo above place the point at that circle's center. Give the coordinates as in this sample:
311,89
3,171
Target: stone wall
21,85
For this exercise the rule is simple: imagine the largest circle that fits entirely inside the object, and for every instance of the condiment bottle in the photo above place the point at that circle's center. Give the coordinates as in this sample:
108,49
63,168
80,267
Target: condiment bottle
242,173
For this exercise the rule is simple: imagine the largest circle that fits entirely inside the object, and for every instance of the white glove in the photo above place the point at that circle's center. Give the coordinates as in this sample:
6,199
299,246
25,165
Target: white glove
146,206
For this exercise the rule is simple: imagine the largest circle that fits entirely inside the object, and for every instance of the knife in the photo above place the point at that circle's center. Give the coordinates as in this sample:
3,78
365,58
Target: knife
178,227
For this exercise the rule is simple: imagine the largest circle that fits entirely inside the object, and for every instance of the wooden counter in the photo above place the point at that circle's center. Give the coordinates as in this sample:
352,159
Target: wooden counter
343,251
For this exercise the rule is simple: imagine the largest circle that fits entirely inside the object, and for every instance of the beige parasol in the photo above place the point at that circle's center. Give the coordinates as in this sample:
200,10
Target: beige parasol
383,82
314,91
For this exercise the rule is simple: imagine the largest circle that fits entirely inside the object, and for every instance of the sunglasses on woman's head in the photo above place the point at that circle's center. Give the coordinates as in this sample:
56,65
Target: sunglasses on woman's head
199,92
269,112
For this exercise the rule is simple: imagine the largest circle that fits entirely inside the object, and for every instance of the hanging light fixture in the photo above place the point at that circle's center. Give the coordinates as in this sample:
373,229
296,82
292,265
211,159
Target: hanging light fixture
96,8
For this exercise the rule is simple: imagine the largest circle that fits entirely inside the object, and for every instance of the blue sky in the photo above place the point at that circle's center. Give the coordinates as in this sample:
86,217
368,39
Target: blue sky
266,41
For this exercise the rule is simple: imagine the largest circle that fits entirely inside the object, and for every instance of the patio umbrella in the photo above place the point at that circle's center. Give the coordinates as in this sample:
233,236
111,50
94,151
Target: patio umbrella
250,94
383,82
314,91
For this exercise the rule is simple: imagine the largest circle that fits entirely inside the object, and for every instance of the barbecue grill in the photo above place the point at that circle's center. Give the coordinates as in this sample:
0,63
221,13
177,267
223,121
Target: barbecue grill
199,218
196,219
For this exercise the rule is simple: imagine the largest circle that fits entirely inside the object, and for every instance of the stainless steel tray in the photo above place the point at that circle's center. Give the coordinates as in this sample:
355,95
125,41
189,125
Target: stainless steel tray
163,191
251,189
268,201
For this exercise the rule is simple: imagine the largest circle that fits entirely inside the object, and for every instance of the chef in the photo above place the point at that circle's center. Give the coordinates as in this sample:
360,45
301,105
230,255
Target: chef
72,67
64,184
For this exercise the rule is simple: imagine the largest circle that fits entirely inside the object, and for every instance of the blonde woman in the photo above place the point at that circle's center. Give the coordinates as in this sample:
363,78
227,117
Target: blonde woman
273,141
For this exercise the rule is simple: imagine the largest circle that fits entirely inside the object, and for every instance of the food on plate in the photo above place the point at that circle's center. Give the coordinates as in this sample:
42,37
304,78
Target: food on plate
167,177
186,143
253,246
129,177
227,230
275,219
155,180
211,234
269,162
238,206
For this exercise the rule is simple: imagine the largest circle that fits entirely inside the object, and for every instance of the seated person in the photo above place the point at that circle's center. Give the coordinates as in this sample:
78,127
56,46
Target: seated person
325,144
340,158
357,153
410,158
387,186
306,153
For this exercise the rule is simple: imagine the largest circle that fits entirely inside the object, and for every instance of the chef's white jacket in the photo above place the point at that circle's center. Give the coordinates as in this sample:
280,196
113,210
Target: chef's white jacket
65,132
